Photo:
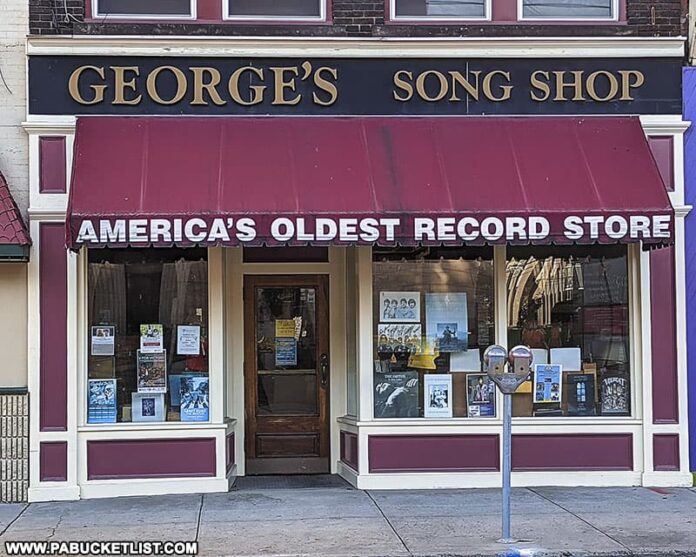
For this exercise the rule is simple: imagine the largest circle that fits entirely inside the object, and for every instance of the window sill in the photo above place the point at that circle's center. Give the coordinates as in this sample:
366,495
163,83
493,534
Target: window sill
154,426
482,422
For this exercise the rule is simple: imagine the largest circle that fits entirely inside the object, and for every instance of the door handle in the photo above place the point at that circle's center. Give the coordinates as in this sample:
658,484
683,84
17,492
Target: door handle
324,369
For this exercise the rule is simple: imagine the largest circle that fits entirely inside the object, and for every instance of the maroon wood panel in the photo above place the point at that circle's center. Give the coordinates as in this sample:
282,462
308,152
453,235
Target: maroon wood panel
433,453
665,452
150,458
611,451
52,176
53,302
665,401
349,449
53,461
662,147
229,446
209,10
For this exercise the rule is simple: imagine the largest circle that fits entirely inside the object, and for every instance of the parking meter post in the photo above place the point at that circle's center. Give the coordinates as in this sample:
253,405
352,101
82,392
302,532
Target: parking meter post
507,466
518,362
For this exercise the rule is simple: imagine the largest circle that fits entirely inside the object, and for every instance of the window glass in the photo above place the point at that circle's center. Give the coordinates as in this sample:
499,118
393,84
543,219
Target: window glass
433,318
144,7
440,8
568,8
147,335
570,305
274,8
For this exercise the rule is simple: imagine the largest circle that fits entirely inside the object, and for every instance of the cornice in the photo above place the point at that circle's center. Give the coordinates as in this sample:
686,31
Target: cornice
342,47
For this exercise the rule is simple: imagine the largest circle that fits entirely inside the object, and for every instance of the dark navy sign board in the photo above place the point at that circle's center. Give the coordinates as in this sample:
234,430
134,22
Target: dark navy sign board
352,86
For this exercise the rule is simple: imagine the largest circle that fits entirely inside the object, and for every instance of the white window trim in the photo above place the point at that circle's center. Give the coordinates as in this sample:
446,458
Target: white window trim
191,16
488,13
279,18
614,17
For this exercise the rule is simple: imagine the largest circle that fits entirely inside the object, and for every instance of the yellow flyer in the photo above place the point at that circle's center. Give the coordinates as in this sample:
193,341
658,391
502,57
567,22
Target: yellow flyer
285,328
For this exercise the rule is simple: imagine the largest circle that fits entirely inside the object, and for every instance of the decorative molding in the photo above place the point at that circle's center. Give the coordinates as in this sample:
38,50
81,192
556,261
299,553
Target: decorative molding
455,47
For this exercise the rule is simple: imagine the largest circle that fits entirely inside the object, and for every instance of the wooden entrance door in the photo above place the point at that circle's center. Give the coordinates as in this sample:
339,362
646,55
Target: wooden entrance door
286,374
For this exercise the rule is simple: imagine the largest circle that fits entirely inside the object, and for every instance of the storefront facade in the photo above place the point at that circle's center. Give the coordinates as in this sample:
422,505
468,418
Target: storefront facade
317,240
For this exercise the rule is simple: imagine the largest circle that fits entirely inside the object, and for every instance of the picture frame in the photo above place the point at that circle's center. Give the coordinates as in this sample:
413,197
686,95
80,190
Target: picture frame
481,393
400,307
437,393
147,407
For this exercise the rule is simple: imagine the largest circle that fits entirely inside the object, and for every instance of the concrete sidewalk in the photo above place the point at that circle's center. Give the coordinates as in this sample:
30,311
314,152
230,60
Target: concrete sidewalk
341,521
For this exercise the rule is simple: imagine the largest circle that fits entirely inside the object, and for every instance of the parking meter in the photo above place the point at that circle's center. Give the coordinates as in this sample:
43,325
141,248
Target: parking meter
518,361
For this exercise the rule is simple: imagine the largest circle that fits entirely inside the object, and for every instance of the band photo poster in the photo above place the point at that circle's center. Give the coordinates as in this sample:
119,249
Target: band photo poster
152,372
480,396
151,337
396,395
438,395
400,307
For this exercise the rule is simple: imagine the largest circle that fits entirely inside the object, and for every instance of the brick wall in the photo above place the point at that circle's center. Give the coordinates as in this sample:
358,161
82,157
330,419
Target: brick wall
366,18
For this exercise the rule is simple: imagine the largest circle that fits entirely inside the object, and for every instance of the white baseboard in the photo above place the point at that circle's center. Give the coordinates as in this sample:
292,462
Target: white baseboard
347,473
53,493
668,479
129,488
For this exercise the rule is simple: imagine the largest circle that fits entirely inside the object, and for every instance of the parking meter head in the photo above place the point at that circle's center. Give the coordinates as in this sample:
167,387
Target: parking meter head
494,359
520,359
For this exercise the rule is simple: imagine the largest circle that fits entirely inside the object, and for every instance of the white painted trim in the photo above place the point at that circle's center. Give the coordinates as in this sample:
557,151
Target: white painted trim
575,19
347,473
321,18
152,486
53,491
216,334
437,19
363,261
646,360
667,479
451,47
192,15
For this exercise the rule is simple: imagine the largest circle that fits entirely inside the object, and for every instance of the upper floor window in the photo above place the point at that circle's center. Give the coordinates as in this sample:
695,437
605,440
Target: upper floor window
569,9
169,9
440,9
275,9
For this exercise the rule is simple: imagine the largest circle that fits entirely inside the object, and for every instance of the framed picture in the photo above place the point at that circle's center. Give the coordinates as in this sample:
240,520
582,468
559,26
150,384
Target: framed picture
396,395
188,340
615,395
446,320
101,405
151,337
152,372
400,307
438,395
581,394
103,340
194,401
548,383
147,407
480,395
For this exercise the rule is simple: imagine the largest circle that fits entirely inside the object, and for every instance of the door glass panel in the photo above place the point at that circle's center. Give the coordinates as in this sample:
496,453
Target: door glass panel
286,350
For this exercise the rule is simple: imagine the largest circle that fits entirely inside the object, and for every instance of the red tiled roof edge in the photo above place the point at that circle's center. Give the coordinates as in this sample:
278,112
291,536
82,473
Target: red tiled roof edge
13,231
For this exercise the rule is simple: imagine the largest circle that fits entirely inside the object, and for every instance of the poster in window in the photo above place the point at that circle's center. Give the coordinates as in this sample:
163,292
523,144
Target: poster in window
547,383
480,395
174,380
285,328
447,321
103,340
101,406
615,394
396,395
285,351
393,335
152,372
194,397
438,395
188,340
581,395
400,307
147,407
151,338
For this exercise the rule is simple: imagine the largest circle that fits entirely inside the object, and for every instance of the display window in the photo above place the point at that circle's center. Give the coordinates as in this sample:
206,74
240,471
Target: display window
433,318
571,306
569,9
147,336
439,9
144,8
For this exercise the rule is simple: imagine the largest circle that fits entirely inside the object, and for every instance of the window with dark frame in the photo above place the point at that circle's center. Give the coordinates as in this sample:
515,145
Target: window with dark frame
143,8
568,9
281,9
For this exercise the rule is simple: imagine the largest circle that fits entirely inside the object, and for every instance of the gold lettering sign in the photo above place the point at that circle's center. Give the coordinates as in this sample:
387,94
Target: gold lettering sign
292,85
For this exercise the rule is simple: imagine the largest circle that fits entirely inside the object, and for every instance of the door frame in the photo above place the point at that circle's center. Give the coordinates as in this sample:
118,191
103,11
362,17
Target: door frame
275,465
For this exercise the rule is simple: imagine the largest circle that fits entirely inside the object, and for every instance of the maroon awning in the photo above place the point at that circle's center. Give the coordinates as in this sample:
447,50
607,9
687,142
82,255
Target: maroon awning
319,180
